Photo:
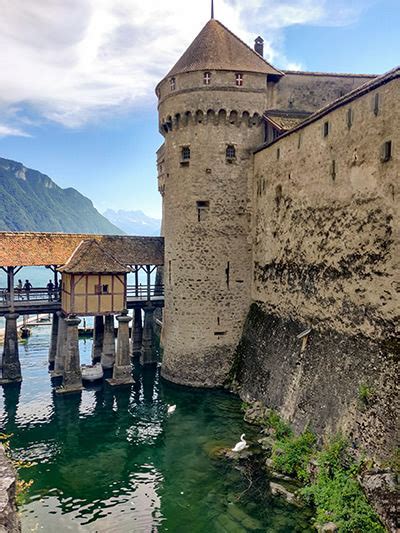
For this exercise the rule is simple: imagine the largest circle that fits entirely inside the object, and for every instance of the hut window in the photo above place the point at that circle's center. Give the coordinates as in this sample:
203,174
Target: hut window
102,289
230,152
172,83
386,151
207,78
185,154
239,79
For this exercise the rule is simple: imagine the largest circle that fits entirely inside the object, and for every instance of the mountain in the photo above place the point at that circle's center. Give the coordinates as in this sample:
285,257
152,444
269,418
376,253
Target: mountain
31,201
134,222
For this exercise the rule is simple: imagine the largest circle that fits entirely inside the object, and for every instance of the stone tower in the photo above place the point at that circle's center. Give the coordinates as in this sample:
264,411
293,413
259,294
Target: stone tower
210,110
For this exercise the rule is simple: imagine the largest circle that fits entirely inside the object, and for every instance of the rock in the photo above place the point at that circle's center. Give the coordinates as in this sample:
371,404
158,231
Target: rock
279,490
382,490
269,463
9,519
329,527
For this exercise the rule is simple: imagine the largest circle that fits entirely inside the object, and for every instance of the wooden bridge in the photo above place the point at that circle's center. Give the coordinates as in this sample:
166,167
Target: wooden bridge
93,282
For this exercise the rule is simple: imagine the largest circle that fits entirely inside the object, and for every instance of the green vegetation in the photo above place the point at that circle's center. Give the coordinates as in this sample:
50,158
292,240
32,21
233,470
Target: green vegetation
365,394
31,201
329,475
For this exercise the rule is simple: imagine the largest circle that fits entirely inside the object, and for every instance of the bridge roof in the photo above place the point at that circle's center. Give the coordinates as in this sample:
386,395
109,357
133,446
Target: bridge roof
41,249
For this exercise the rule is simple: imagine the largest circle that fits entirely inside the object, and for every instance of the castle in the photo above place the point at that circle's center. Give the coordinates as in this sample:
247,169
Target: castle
278,193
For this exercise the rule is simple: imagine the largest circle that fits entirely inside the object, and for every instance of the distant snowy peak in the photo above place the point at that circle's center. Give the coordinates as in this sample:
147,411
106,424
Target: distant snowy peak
134,222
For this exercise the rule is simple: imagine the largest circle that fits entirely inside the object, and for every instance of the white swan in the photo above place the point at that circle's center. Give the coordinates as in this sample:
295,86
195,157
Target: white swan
171,409
239,446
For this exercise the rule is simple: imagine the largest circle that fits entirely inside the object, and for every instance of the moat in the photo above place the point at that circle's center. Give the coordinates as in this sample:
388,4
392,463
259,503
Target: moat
114,460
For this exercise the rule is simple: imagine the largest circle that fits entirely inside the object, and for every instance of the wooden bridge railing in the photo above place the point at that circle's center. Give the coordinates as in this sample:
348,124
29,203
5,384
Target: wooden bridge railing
42,294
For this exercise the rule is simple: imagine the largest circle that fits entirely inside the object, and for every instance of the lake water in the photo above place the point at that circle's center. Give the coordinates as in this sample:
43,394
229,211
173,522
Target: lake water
114,460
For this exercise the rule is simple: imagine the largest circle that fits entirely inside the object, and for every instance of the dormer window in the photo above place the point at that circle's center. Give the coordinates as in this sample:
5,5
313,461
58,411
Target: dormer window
239,79
207,78
172,83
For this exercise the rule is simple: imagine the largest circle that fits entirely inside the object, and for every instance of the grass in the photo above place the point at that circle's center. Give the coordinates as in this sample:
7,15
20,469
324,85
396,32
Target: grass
329,475
365,394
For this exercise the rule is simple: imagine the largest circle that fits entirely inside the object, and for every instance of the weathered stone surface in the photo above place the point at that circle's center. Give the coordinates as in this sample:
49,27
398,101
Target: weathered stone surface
108,353
98,337
72,375
11,367
122,371
321,384
9,519
279,490
329,527
383,492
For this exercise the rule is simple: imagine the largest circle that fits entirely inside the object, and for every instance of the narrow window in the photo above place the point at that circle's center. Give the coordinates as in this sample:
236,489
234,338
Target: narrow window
201,205
230,151
333,170
169,272
299,142
386,151
278,153
326,129
376,104
228,273
172,83
239,79
349,117
105,289
207,78
185,153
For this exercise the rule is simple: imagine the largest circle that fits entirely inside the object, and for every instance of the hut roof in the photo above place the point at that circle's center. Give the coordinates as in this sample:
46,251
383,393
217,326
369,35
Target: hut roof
285,120
42,249
91,258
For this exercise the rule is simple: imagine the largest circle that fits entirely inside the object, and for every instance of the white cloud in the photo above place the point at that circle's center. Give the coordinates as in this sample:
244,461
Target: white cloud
73,61
9,131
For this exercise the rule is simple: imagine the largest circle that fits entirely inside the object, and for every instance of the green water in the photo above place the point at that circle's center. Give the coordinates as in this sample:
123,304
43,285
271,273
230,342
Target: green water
114,460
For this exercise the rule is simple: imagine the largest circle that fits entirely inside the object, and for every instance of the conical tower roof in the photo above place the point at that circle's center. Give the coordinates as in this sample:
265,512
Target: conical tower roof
217,48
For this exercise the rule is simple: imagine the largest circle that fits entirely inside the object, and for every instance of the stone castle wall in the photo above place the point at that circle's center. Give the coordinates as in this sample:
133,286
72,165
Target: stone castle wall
308,91
207,270
326,252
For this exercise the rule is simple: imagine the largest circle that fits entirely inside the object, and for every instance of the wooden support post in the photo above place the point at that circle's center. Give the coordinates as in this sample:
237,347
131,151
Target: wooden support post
148,271
136,280
10,287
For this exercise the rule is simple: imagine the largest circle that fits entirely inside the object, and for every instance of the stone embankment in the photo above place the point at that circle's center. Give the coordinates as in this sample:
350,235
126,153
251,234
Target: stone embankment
9,519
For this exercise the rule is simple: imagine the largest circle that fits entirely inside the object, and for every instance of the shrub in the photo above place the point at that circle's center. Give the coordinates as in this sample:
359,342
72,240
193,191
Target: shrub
291,454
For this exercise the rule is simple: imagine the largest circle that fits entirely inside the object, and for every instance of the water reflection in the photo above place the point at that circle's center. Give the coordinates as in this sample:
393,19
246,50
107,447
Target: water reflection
112,459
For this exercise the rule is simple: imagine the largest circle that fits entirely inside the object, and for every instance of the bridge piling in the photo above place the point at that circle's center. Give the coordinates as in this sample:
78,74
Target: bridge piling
72,376
137,332
61,346
108,353
53,341
11,367
122,372
147,356
98,338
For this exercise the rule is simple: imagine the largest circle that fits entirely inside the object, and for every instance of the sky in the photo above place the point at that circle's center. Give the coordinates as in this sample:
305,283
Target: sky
77,77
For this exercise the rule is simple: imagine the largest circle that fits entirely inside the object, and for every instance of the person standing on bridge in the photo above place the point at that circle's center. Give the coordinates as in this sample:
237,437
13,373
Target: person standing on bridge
27,288
50,290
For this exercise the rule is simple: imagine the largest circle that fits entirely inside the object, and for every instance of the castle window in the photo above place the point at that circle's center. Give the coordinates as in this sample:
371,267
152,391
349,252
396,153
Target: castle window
207,78
230,152
326,129
375,103
278,153
202,206
349,117
386,151
185,154
172,83
239,79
